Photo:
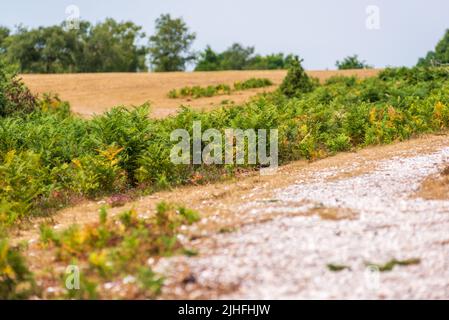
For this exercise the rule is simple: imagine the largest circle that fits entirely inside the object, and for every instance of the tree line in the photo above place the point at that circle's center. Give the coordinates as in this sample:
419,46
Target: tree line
112,46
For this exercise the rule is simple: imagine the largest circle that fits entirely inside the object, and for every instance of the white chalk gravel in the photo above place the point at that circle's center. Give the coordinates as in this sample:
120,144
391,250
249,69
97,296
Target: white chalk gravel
288,257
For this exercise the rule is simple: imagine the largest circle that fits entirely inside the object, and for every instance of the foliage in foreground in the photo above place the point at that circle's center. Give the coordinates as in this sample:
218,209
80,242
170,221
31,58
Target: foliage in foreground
16,281
49,156
219,89
116,249
110,251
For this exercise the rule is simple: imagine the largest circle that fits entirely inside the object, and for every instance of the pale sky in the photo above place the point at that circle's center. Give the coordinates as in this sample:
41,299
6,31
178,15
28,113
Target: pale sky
320,31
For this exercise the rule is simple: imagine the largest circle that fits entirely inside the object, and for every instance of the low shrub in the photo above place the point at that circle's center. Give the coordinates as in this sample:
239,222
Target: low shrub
113,249
220,89
297,81
15,97
197,92
252,83
16,281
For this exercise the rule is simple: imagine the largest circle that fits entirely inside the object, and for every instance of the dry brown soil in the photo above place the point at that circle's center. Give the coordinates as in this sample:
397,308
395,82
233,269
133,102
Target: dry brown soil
91,94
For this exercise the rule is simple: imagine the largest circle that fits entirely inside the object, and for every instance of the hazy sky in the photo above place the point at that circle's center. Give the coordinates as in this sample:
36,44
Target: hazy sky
320,31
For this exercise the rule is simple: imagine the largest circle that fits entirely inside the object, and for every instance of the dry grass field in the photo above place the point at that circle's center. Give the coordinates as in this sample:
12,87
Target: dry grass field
91,94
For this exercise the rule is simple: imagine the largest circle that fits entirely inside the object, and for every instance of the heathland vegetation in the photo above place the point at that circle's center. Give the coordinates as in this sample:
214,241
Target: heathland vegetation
50,157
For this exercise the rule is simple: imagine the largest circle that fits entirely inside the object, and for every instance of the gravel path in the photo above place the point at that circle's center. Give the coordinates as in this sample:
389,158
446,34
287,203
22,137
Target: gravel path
289,257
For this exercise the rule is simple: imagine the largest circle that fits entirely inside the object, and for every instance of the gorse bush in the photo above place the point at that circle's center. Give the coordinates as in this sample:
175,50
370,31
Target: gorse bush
297,81
49,155
220,89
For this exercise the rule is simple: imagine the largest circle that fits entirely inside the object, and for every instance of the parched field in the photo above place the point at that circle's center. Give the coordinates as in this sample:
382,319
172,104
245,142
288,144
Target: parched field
91,94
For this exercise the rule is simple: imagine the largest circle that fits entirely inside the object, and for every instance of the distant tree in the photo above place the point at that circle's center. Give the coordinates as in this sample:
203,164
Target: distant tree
4,34
105,47
42,50
275,61
170,45
208,60
440,55
352,62
112,47
297,81
236,57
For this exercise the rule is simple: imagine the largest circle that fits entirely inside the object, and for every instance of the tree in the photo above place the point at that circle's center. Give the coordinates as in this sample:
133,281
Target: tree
4,34
112,47
41,50
352,62
208,60
297,81
440,55
170,46
236,57
275,61
108,46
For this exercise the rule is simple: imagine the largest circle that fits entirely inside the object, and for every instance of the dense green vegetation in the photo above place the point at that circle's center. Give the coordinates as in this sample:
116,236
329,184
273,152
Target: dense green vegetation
107,46
219,89
238,57
352,62
439,56
252,83
48,156
196,92
297,81
112,46
170,46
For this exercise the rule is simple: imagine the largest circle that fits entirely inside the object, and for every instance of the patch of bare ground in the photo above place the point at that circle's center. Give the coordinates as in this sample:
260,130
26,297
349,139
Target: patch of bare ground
436,186
334,213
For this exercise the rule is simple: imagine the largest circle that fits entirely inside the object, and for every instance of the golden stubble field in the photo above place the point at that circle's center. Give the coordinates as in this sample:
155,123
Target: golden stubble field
91,94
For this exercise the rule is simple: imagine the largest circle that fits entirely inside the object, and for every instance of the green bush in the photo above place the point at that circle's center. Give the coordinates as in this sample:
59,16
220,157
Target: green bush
16,281
297,81
15,97
352,62
252,84
24,181
220,89
200,92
